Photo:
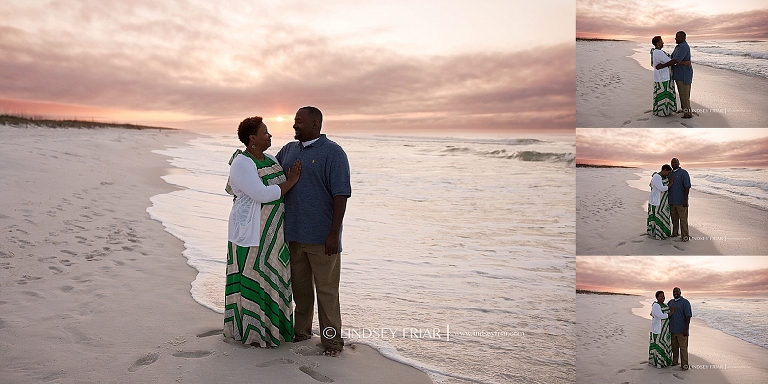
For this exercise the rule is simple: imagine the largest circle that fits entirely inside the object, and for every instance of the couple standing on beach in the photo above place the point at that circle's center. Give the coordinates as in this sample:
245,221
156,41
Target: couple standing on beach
671,70
285,235
668,202
670,327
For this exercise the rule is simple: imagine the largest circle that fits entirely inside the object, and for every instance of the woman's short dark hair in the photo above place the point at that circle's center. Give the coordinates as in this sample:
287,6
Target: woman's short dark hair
249,126
666,167
655,40
659,292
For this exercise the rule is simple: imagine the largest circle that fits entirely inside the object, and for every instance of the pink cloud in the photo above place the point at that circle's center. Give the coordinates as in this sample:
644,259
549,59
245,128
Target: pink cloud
613,146
640,274
643,20
182,64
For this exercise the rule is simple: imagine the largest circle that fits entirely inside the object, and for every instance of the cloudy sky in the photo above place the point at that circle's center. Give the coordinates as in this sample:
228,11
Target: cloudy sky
695,147
700,19
700,276
450,64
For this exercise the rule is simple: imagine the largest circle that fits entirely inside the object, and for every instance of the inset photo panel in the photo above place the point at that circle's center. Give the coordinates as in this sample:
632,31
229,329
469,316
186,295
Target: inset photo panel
701,63
661,319
676,192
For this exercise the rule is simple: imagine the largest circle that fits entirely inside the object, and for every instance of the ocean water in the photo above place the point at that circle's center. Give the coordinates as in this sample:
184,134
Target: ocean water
744,56
744,318
745,185
458,252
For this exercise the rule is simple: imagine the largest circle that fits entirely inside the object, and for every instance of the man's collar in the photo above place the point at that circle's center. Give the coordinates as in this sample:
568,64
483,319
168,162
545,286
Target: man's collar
310,142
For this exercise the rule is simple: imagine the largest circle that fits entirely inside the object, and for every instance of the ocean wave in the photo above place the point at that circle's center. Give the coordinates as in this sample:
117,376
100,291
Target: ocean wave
426,139
514,155
742,318
735,182
732,52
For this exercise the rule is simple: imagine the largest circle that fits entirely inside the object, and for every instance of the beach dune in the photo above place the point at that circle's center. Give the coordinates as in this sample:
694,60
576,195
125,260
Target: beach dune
93,290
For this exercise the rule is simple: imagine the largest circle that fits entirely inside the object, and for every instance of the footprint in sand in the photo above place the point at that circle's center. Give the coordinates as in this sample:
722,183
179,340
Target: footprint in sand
68,252
65,262
315,375
192,354
274,362
621,371
622,243
679,247
146,360
26,278
211,333
56,270
637,241
305,351
675,375
637,369
643,119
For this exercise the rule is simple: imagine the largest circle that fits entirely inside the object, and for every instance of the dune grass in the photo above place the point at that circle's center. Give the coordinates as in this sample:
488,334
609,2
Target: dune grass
37,121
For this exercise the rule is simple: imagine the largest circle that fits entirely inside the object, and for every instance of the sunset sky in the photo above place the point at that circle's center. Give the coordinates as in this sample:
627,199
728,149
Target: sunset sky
700,276
695,147
448,64
700,19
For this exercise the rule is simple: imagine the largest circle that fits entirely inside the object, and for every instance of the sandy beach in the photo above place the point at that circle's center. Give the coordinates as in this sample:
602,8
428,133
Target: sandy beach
615,90
610,220
93,290
612,347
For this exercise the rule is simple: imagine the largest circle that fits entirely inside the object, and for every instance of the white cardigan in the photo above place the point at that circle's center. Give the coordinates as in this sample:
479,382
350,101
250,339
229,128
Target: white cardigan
658,315
657,187
245,217
659,57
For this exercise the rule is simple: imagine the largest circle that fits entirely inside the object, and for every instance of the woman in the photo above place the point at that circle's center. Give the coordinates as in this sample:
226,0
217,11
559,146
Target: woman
664,101
660,350
659,220
257,304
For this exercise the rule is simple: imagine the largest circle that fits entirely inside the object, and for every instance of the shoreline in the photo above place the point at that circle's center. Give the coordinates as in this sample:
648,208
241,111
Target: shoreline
94,290
610,220
615,90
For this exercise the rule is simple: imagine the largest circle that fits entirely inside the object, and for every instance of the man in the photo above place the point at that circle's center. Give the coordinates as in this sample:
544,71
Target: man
678,200
314,211
679,324
683,74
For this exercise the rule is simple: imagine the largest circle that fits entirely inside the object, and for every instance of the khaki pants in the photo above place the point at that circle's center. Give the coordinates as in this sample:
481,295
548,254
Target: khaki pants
309,262
679,215
684,90
680,349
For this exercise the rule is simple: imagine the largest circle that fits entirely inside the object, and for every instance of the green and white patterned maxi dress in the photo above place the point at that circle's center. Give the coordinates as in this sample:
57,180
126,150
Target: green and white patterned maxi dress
660,349
258,296
659,219
664,100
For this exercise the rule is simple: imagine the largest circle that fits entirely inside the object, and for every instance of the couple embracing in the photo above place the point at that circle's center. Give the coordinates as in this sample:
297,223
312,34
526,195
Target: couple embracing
285,235
668,71
668,202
